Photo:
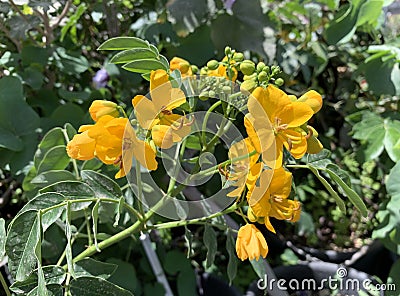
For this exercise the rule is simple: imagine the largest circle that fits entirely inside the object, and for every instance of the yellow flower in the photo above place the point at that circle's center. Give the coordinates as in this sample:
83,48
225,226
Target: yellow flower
156,114
270,198
314,146
182,65
244,172
250,243
274,106
113,141
221,71
81,147
100,108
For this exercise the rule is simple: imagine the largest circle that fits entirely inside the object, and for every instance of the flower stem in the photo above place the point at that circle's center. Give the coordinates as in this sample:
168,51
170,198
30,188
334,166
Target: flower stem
4,284
121,235
74,164
205,120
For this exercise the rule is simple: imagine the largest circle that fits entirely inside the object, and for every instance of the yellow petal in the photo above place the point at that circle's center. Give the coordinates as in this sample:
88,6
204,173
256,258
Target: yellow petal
295,114
145,111
81,147
162,136
313,99
281,183
157,78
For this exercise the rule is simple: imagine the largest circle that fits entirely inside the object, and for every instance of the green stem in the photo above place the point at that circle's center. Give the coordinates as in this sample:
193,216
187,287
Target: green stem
298,166
123,234
140,188
4,284
197,220
89,232
205,120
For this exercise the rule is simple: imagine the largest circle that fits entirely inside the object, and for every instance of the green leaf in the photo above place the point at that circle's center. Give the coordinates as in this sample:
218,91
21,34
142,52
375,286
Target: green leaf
144,66
91,267
52,138
45,201
103,186
340,203
23,237
73,190
73,20
11,89
71,131
10,141
351,194
260,267
210,241
50,177
52,273
186,282
125,275
370,12
133,54
175,262
94,286
72,63
2,238
118,210
233,261
392,140
56,158
393,181
121,43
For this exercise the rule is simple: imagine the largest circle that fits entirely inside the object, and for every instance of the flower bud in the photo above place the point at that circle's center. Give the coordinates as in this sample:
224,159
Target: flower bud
247,67
212,65
204,96
228,50
226,89
238,57
211,94
279,82
314,146
260,66
266,69
179,64
100,108
195,69
262,76
313,99
204,71
248,85
250,77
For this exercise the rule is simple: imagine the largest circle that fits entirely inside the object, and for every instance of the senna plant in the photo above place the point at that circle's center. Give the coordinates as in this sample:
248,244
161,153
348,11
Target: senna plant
174,131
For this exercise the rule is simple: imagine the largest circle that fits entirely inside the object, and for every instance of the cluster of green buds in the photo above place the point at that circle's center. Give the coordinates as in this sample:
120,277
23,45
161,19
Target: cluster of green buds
258,75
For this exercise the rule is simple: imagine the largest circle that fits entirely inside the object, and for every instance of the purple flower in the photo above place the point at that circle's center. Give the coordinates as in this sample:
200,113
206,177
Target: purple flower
100,79
229,3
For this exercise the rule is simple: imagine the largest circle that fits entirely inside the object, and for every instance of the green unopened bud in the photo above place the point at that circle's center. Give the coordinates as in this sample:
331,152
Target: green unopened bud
260,66
211,94
238,57
226,89
247,67
228,50
250,77
204,96
195,69
279,82
266,69
262,76
204,71
275,70
212,65
248,85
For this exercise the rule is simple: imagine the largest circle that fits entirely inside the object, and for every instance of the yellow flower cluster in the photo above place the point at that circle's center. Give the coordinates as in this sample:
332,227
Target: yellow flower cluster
275,120
111,139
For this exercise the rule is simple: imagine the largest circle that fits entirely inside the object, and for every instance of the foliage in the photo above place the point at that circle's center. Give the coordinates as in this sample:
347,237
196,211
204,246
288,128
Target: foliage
58,208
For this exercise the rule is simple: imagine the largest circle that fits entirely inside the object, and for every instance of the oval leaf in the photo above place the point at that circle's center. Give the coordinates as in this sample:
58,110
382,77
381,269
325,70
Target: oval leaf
103,186
94,286
22,239
133,54
144,66
351,194
120,43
